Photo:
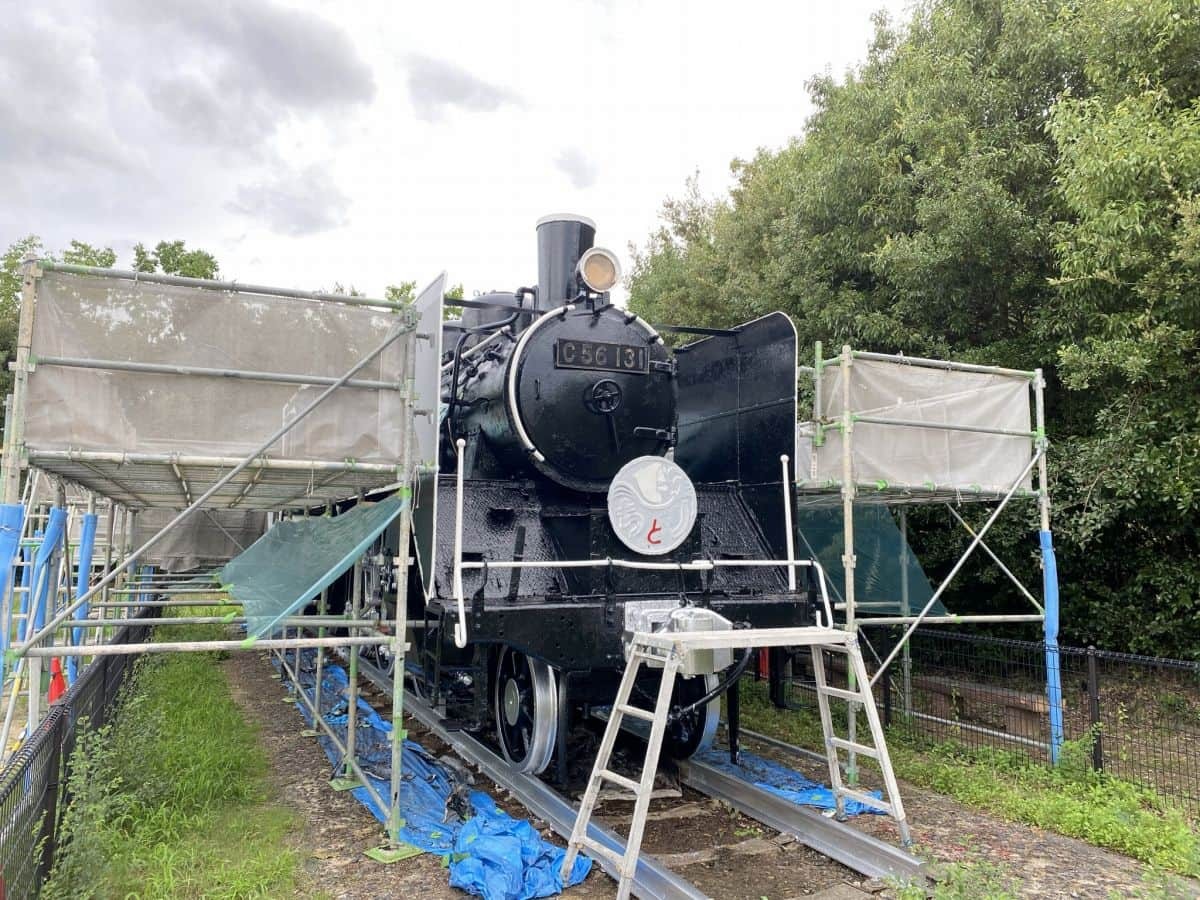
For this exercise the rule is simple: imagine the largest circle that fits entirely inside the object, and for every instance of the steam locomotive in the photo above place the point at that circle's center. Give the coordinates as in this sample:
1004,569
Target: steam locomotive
594,481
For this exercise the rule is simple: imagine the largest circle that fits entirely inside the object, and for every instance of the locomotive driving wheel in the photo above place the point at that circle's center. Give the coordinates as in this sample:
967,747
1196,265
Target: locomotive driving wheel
693,732
526,710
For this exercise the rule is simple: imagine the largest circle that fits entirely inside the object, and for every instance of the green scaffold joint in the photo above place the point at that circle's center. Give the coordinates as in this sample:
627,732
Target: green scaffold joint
230,616
249,642
881,485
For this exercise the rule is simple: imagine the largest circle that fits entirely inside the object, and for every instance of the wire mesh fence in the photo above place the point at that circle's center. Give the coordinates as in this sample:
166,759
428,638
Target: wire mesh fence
32,784
1134,717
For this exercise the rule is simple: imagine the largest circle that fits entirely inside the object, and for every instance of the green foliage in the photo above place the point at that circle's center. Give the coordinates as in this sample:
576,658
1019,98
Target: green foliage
81,254
171,800
173,258
404,292
1011,181
10,302
1070,799
979,880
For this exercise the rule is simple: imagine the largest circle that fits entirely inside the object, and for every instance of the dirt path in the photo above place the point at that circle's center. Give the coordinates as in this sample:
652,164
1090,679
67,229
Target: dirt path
1044,864
728,856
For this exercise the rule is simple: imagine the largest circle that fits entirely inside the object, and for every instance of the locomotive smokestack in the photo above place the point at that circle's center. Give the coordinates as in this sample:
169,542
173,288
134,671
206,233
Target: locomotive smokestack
562,239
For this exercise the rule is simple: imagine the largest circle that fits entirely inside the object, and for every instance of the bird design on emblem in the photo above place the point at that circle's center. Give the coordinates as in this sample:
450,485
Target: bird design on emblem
652,505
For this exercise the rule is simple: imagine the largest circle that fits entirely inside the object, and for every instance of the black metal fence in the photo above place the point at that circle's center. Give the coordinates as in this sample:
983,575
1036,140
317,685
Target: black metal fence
1135,717
32,785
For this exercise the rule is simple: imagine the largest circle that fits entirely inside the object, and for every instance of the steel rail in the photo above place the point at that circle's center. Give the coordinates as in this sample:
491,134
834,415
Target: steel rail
852,848
651,880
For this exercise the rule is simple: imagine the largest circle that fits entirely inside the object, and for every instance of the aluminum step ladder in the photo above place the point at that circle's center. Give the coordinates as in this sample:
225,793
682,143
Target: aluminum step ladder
626,862
859,695
668,649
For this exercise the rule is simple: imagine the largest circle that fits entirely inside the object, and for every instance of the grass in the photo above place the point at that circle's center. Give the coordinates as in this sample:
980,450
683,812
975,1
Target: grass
978,880
1070,799
172,800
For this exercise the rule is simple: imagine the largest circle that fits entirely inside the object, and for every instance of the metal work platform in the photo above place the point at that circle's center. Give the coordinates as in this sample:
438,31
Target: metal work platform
678,651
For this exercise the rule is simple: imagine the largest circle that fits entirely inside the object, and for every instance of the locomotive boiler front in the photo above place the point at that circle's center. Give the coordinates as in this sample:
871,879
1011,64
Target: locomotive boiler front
577,392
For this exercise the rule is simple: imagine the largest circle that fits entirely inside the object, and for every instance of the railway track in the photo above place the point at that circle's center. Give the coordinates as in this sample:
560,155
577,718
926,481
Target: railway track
860,852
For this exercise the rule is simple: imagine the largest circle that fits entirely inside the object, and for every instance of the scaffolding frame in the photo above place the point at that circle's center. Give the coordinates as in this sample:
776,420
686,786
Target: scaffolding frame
119,484
848,491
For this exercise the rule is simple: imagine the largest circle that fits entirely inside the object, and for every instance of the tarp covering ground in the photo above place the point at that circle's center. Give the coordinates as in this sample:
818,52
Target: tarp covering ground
782,781
288,566
491,854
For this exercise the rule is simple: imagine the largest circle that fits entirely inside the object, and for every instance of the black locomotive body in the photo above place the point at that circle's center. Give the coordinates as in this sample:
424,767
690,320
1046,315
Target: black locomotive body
547,394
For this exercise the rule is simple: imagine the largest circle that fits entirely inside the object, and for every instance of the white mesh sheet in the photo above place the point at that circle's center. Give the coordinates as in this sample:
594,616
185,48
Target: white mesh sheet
88,316
930,459
204,539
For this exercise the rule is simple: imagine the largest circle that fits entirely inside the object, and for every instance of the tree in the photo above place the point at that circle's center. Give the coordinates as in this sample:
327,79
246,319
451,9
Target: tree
173,258
10,303
1007,181
1129,318
406,292
81,254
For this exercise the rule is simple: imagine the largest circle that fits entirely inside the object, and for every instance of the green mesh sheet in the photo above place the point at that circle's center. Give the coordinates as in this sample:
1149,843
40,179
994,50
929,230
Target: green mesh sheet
882,556
292,563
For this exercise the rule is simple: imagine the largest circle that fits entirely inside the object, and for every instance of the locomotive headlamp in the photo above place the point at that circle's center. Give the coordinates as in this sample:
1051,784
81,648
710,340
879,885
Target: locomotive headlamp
599,269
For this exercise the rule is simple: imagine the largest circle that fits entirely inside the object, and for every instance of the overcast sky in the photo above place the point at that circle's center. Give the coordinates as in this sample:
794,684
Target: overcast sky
304,144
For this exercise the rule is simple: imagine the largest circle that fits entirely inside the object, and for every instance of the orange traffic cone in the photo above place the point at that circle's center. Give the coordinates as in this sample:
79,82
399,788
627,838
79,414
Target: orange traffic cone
58,684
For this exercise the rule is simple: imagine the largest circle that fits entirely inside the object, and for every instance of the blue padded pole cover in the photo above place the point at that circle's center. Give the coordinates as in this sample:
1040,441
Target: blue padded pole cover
12,520
87,544
1053,673
41,565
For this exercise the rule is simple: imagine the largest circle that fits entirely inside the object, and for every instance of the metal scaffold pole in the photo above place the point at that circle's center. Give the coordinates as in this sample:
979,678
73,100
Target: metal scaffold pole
906,700
1049,576
848,557
348,780
395,849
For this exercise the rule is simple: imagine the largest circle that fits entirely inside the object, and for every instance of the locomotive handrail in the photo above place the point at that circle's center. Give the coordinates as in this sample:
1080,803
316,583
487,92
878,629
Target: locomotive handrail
460,627
486,342
698,565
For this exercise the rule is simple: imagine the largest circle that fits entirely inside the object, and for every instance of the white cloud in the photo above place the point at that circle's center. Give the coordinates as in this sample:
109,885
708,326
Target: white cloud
577,166
304,146
436,85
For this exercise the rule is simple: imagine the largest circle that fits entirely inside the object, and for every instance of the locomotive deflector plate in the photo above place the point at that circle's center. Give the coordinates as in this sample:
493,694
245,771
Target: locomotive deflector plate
426,426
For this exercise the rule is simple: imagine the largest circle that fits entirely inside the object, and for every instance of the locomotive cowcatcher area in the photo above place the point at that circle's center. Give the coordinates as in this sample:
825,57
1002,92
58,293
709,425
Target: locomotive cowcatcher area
515,595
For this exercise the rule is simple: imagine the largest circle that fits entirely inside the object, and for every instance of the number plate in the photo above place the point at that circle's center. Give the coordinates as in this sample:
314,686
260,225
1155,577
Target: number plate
601,356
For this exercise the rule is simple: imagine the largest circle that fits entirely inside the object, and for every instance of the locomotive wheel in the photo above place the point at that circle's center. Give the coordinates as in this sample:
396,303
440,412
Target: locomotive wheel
693,733
526,710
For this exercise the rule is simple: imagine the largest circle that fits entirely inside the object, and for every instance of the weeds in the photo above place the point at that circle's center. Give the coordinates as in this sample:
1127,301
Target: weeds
1070,799
171,799
963,881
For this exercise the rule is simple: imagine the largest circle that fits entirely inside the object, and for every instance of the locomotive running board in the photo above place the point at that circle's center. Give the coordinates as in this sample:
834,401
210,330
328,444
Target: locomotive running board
652,879
849,846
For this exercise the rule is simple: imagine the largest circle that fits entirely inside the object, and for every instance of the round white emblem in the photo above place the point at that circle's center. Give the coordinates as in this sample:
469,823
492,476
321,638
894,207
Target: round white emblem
651,505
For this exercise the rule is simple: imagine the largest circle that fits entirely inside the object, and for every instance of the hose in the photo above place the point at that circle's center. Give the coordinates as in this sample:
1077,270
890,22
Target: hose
739,669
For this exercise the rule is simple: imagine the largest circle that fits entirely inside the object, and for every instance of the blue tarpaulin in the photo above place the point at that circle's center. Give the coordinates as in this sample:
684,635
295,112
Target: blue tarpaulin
491,855
782,781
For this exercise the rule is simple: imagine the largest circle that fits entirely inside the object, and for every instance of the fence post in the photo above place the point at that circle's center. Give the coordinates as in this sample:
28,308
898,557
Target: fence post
1093,688
49,829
